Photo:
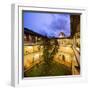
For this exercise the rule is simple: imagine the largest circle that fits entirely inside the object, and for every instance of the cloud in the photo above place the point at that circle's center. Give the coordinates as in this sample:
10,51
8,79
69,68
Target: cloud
47,24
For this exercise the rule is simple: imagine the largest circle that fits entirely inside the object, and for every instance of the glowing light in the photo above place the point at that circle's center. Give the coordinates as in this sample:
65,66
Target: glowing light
36,56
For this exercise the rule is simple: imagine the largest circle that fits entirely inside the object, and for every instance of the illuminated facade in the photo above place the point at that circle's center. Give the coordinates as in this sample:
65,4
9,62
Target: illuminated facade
68,51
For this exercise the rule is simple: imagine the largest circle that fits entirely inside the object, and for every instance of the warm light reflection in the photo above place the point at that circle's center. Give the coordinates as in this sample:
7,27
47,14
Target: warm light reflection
36,56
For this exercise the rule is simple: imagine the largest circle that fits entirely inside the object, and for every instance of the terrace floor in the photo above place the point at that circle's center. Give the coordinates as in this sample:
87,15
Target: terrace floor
53,69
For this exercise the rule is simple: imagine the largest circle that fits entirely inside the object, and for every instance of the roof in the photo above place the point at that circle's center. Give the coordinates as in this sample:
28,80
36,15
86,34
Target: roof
31,32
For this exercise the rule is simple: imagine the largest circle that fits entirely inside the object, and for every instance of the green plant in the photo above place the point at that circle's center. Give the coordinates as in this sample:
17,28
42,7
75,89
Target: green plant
50,49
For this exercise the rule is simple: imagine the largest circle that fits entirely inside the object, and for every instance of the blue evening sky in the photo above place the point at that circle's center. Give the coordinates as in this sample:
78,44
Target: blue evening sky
47,24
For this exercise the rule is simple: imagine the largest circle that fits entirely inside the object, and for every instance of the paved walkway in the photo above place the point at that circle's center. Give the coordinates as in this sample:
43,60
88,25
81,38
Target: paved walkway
77,55
76,64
